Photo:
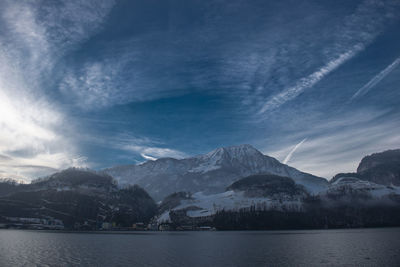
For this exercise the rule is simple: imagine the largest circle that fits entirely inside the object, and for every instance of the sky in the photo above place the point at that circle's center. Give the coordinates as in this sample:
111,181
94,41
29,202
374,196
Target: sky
94,84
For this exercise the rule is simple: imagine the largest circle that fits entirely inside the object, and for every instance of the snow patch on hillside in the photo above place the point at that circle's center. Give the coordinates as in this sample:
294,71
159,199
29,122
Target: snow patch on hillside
376,190
229,201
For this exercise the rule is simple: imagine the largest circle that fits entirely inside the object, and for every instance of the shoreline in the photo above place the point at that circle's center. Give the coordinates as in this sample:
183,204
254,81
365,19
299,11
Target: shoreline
150,232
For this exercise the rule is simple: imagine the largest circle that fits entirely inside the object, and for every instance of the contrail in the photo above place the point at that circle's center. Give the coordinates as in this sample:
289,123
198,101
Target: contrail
309,81
374,81
289,156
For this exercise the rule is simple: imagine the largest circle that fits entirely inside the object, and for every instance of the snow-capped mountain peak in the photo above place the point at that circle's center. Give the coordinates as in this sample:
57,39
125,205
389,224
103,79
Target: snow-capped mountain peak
240,151
210,173
226,157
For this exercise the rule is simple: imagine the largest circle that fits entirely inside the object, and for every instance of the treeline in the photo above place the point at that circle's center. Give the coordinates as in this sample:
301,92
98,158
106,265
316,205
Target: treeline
315,216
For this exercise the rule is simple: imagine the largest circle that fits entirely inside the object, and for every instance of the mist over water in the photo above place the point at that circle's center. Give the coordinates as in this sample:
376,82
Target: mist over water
355,247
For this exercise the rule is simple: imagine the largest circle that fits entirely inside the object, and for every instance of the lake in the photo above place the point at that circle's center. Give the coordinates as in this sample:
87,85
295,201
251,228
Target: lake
365,247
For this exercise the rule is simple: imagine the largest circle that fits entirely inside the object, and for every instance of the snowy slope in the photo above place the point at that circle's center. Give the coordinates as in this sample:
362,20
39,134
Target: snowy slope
356,184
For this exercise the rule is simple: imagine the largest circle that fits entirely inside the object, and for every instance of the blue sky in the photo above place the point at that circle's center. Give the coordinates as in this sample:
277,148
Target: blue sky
101,83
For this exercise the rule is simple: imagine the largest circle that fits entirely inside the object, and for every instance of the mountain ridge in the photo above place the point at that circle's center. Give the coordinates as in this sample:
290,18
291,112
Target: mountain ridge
89,198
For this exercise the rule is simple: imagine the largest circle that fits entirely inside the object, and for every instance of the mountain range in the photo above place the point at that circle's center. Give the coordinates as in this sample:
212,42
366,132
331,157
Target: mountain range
374,183
211,189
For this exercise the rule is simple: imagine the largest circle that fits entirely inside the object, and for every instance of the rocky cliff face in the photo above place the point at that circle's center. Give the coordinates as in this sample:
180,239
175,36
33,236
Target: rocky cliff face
380,168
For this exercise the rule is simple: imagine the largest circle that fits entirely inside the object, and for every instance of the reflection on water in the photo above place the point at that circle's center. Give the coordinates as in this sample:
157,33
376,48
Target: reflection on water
365,247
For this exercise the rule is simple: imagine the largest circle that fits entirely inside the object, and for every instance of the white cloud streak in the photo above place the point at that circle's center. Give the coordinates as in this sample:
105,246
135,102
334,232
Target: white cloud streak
308,81
153,153
289,156
145,147
147,157
375,80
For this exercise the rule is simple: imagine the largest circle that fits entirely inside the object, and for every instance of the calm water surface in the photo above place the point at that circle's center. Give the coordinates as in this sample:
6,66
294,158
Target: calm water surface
366,247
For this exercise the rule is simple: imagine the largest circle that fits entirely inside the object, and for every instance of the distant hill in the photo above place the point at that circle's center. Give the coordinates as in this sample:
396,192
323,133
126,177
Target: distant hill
267,185
78,197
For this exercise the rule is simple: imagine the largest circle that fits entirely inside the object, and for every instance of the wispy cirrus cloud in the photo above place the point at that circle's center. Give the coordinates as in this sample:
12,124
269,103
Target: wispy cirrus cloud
39,33
34,36
275,63
94,87
128,71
